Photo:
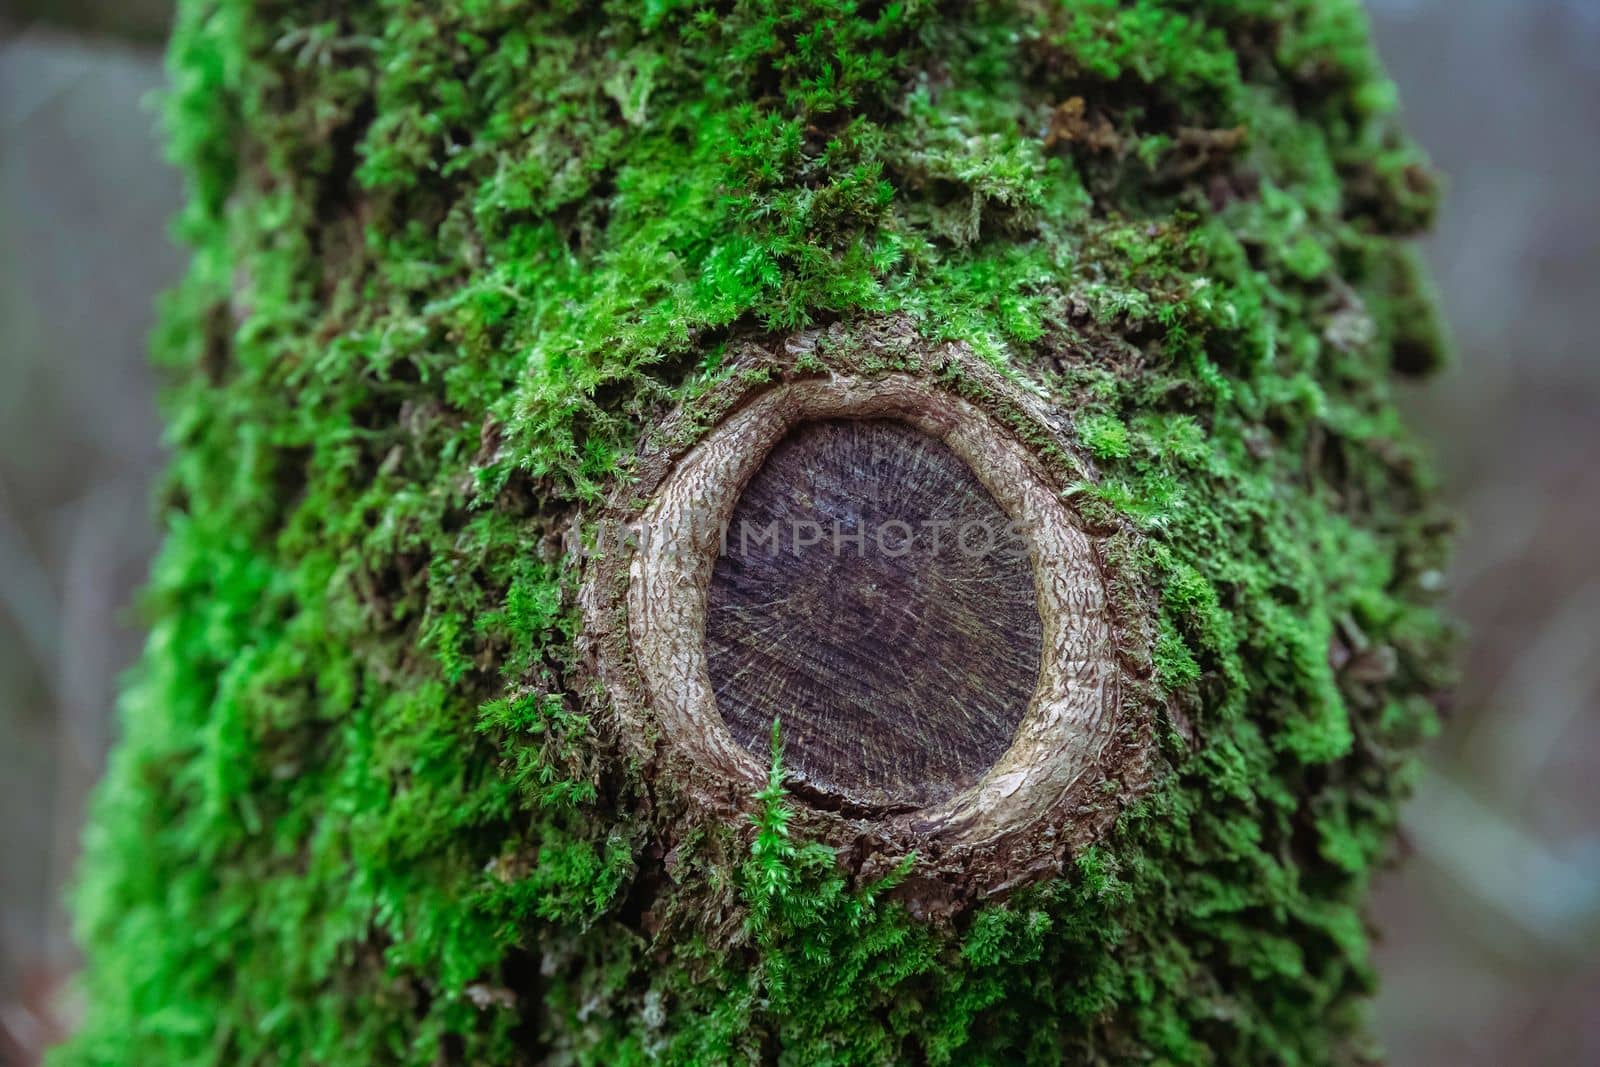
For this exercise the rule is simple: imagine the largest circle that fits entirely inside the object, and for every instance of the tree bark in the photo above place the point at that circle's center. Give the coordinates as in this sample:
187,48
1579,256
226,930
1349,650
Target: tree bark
485,718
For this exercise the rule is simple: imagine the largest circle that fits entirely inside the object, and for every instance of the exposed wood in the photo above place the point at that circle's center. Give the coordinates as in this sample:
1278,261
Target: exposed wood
874,597
995,815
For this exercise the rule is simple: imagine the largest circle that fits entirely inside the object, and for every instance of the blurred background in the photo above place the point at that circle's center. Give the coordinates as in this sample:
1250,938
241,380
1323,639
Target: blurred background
1490,932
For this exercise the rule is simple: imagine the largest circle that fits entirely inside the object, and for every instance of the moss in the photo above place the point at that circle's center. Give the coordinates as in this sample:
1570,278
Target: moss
449,258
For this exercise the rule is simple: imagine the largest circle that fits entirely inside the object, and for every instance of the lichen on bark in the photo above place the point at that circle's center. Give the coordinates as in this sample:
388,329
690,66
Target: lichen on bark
456,262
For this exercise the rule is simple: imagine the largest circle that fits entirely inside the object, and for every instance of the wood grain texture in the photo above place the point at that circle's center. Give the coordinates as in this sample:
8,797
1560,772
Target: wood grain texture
873,595
648,605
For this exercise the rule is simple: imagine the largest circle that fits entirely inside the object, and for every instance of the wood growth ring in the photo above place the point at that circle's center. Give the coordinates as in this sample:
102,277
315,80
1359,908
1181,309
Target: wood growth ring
960,697
872,593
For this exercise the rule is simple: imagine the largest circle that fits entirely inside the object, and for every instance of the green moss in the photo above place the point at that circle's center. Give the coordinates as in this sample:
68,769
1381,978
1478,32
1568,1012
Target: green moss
449,258
1104,436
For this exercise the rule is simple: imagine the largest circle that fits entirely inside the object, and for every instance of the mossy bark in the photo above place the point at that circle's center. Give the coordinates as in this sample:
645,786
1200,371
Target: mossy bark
469,276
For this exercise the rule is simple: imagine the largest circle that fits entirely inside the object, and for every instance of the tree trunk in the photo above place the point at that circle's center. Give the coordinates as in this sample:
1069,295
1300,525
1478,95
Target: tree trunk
801,532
